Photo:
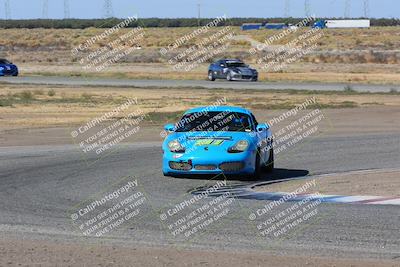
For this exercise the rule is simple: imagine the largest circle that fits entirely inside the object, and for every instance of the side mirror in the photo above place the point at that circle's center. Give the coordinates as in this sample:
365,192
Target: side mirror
169,127
262,127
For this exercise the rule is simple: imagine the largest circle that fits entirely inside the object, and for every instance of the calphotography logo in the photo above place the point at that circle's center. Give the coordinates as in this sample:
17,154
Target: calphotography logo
287,218
273,57
200,46
102,134
196,214
295,126
110,210
119,44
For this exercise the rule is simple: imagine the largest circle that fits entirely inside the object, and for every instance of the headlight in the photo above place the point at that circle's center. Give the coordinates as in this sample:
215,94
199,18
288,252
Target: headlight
240,146
175,146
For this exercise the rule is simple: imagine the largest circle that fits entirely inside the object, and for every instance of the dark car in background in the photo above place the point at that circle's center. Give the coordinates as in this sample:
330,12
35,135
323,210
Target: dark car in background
232,70
7,68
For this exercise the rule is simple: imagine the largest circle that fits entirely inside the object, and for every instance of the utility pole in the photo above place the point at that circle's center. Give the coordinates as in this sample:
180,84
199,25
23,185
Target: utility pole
45,10
66,9
7,9
307,8
108,9
198,13
347,8
366,8
287,8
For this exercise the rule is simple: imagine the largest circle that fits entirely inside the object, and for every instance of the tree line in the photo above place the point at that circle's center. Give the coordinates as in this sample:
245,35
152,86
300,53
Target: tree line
158,22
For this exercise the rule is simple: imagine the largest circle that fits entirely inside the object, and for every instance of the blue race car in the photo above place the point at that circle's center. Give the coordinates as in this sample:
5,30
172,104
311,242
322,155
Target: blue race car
217,139
8,68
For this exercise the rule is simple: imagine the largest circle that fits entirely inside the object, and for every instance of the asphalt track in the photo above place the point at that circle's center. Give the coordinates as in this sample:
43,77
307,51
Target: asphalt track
219,84
40,184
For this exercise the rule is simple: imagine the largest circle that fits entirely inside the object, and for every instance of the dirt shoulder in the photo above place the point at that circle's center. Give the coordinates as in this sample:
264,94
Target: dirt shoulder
370,183
16,252
46,115
341,122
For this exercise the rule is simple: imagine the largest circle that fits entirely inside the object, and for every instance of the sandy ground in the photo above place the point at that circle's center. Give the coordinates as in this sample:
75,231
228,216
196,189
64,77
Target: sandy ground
369,183
45,253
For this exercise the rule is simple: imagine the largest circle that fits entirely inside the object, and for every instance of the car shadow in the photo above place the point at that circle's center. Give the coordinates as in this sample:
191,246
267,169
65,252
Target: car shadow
276,174
280,174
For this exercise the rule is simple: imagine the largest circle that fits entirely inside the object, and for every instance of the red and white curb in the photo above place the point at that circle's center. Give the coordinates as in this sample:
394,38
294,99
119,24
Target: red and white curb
248,192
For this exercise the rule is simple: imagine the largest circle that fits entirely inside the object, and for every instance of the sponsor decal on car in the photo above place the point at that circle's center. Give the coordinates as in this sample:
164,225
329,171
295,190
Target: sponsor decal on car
208,142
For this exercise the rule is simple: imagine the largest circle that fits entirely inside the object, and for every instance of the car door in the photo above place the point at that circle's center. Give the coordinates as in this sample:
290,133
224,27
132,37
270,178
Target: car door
222,69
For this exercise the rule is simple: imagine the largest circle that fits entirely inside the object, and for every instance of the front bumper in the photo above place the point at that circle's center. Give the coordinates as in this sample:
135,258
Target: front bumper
240,77
227,163
9,72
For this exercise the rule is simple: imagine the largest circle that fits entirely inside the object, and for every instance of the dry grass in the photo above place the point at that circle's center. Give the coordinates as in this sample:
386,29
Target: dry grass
382,38
38,106
375,45
342,55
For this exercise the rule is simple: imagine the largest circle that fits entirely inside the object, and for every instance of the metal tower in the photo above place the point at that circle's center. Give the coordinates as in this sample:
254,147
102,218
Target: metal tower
45,10
347,8
7,9
108,9
66,9
366,8
287,8
307,8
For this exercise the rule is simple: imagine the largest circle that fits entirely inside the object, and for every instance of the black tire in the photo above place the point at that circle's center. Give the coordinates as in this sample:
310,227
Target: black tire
211,76
255,79
257,171
269,167
229,76
15,74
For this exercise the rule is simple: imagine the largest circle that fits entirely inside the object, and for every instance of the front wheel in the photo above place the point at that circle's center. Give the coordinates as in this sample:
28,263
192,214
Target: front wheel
229,76
257,168
211,76
269,166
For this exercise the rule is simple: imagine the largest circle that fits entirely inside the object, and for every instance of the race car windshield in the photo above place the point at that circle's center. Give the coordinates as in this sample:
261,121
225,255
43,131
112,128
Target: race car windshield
215,121
235,64
4,61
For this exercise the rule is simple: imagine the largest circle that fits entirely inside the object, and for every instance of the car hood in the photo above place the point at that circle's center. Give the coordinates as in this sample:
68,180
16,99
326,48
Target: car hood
243,70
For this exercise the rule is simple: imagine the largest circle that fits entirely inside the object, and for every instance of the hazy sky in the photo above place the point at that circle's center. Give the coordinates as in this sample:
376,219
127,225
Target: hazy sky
27,9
